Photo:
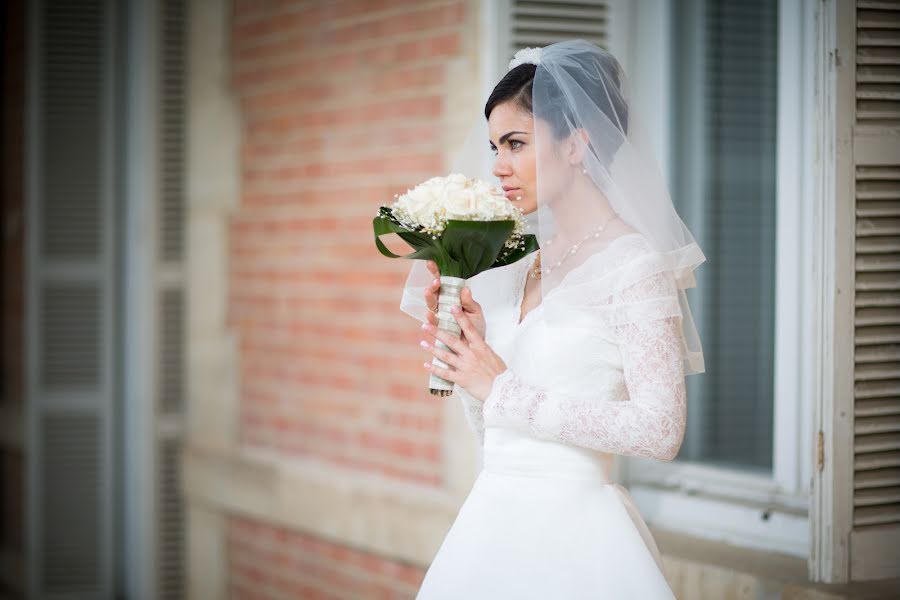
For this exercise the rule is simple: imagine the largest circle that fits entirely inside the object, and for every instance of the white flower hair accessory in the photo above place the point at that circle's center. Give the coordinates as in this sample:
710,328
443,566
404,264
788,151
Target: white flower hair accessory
526,55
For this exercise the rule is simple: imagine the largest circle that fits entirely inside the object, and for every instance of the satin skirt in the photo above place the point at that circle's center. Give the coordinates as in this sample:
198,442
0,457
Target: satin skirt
543,520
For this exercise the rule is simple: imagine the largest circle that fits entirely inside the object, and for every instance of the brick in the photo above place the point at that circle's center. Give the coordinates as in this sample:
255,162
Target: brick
288,62
433,17
340,103
299,561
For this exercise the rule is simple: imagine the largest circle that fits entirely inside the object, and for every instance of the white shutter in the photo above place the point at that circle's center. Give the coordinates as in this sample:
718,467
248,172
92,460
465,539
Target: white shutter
543,22
154,325
70,274
170,365
875,533
855,504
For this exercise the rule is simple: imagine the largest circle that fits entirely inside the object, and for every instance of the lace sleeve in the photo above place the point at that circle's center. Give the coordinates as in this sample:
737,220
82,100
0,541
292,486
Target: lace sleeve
650,423
472,407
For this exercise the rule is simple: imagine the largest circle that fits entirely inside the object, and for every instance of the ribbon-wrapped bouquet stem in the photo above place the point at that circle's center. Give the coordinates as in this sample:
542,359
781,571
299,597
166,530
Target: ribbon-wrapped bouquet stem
465,226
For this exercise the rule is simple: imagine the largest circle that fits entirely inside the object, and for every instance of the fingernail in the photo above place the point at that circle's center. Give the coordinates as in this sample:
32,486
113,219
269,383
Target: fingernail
427,365
435,282
425,326
423,343
454,309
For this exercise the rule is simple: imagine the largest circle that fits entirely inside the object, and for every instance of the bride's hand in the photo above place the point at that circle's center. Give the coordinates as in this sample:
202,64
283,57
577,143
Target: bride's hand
473,364
471,308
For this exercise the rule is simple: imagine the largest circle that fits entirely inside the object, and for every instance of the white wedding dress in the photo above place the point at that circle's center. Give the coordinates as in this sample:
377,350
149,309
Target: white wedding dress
544,520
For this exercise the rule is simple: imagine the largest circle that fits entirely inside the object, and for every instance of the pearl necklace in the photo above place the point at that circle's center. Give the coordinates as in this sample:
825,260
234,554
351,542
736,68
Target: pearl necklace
538,272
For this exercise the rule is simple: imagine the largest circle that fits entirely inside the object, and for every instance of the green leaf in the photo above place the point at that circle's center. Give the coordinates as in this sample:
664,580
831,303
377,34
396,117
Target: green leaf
465,248
425,247
476,244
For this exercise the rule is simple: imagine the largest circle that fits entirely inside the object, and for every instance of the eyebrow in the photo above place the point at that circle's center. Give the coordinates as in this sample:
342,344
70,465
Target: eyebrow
505,136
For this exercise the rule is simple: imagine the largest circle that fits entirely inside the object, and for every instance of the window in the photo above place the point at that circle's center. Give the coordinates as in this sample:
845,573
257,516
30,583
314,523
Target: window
731,104
723,175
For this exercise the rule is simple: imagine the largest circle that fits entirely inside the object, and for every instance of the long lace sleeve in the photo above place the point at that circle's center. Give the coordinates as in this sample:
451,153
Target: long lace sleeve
650,423
472,407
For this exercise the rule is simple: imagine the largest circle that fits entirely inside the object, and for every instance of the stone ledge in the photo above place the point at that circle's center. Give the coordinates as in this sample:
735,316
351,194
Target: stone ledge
699,568
370,512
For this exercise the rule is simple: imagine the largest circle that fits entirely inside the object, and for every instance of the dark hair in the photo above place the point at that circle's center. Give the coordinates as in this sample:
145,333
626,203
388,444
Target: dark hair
516,86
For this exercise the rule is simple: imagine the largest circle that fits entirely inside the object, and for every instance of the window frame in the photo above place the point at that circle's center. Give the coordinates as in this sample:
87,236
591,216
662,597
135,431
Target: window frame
752,510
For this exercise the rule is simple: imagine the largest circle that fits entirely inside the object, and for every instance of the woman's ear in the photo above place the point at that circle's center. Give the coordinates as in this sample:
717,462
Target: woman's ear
576,146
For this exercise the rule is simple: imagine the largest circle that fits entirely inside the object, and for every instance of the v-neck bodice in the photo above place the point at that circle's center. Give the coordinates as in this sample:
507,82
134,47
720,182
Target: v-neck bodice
522,284
500,292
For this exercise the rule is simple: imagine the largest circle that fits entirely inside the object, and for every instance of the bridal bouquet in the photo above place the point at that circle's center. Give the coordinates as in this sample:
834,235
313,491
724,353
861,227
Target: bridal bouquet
465,226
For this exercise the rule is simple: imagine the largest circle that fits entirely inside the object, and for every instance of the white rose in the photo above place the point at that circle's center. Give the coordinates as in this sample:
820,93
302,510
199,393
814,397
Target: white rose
419,205
462,205
431,203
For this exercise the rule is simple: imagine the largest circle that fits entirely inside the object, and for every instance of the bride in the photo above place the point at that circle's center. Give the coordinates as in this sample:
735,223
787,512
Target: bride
571,356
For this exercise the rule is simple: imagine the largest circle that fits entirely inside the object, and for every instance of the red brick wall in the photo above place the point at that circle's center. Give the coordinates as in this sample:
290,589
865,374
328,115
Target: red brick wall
341,105
269,562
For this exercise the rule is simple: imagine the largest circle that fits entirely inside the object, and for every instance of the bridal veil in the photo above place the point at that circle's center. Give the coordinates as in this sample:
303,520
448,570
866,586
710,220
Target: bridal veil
593,166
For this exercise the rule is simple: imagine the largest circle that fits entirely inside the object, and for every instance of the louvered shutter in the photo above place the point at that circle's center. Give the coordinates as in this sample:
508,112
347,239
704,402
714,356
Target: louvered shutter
875,533
70,299
542,22
878,63
170,364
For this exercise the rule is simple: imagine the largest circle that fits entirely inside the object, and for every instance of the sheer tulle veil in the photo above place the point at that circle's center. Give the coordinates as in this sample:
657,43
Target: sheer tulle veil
594,166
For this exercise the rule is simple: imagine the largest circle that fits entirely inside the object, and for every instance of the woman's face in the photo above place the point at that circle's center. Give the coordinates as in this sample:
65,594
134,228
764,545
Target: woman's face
512,139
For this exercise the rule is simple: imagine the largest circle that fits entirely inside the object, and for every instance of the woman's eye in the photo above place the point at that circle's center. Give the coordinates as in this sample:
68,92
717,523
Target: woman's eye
515,144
